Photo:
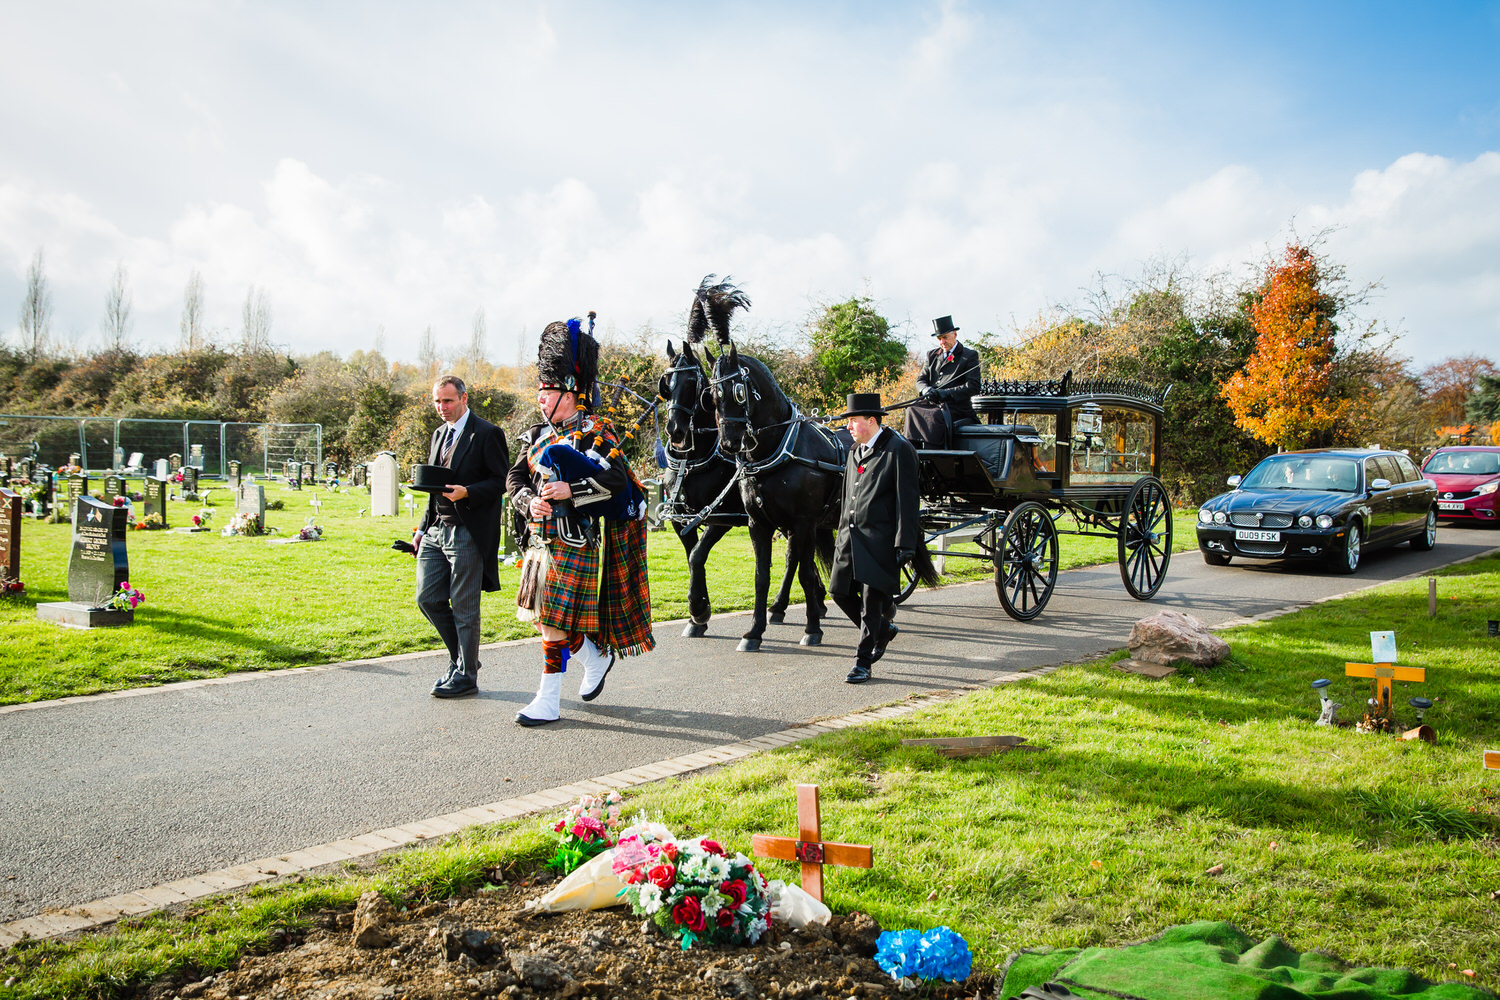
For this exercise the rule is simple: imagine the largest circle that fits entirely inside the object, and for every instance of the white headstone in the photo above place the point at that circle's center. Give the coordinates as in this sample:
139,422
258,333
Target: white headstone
385,488
163,469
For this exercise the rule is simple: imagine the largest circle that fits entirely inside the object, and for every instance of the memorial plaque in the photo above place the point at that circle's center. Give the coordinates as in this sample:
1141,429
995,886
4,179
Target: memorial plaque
162,469
252,500
156,498
114,486
189,479
10,534
98,564
174,461
385,489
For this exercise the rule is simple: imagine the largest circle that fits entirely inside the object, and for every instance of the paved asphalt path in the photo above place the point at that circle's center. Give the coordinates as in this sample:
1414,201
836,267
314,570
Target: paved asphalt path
111,795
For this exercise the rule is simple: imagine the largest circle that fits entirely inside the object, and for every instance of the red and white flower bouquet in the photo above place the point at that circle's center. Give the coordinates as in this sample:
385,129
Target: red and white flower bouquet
694,890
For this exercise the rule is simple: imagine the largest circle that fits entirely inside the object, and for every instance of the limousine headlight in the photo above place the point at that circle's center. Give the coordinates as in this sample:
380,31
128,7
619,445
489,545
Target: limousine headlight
1325,521
1220,517
1305,521
1204,515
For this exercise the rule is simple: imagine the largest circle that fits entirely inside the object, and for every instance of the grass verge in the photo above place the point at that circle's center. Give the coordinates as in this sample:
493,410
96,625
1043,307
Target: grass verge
218,605
1380,851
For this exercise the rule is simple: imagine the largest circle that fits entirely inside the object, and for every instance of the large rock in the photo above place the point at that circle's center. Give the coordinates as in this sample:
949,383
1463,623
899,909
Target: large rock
371,914
1172,637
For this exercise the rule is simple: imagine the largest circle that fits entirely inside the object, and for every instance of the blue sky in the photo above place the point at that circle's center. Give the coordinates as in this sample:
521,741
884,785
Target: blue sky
378,168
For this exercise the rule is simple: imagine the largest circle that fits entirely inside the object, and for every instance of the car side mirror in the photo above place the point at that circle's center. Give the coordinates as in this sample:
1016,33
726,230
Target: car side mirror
1380,485
1235,481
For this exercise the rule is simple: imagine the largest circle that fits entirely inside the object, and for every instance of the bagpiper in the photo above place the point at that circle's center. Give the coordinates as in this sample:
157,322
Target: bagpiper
583,575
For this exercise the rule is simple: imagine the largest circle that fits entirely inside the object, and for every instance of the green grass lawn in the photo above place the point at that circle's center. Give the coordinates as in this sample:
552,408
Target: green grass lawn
1380,851
218,605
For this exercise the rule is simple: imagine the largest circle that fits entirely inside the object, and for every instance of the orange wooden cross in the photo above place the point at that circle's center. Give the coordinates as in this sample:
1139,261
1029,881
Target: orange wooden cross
1492,760
808,847
1382,674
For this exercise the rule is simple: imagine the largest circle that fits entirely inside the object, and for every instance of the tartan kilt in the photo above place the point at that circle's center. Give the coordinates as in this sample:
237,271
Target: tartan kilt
570,597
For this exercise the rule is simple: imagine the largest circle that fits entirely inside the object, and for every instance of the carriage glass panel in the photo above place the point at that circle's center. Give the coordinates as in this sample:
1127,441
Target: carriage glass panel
1044,455
1111,444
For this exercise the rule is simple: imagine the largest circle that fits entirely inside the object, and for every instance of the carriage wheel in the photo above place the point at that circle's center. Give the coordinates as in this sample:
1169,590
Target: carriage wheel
908,575
1026,562
1145,538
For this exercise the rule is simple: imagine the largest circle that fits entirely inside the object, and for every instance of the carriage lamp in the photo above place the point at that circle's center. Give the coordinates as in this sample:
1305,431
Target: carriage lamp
1421,705
1220,517
1305,521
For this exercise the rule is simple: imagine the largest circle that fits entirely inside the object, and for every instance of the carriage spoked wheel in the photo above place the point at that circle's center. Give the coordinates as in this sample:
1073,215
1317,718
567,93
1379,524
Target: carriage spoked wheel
1026,561
1145,538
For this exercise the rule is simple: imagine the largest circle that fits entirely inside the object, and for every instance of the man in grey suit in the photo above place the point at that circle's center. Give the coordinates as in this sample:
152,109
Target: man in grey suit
458,544
879,529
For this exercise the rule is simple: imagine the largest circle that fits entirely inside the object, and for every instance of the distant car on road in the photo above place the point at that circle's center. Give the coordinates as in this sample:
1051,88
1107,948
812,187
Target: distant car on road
1329,504
1468,482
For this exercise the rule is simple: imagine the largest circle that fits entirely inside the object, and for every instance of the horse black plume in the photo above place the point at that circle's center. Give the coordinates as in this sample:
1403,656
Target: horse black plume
714,304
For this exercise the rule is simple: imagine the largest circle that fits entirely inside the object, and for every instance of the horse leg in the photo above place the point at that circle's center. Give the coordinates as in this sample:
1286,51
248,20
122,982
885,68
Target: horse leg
784,595
698,604
760,538
812,588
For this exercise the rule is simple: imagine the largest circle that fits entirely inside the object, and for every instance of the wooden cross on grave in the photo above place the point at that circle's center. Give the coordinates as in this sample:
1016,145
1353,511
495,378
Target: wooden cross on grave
1383,674
315,504
1492,760
808,847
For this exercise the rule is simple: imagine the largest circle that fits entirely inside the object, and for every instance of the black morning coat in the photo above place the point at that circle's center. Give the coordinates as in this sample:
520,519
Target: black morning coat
954,380
879,515
479,462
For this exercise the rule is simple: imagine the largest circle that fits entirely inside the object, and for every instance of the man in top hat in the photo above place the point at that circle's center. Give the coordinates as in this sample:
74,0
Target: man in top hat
570,479
949,378
879,530
458,543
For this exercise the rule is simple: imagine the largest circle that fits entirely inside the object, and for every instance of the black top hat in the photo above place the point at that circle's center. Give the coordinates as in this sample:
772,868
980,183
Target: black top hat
864,404
942,325
431,478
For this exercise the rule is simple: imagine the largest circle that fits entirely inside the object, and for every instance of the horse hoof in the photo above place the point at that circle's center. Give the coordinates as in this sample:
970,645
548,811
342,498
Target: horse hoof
748,646
695,630
778,619
811,639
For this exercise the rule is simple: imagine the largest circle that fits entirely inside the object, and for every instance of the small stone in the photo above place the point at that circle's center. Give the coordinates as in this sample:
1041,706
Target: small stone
1215,870
371,914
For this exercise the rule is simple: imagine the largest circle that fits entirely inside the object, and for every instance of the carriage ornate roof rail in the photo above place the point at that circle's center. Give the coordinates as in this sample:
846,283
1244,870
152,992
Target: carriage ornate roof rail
1069,386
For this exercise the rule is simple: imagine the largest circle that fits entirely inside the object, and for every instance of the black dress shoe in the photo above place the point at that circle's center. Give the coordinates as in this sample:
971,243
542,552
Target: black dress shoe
858,675
446,679
891,631
456,686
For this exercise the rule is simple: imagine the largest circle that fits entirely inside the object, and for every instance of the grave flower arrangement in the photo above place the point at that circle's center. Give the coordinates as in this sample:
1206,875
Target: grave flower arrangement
127,599
310,532
203,517
12,588
242,523
695,891
940,953
587,830
150,522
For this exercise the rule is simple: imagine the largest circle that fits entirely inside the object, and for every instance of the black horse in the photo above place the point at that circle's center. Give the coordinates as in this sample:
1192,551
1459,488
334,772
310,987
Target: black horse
791,480
701,488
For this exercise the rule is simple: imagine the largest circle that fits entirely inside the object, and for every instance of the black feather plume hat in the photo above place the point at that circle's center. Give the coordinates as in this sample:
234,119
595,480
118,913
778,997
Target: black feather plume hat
568,359
713,305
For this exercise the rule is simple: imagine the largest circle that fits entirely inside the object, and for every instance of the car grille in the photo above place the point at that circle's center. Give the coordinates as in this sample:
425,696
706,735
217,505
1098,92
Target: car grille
1247,519
1261,548
1457,495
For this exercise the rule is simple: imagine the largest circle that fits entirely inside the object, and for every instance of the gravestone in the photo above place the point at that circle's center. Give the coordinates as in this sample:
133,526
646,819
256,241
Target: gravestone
119,458
189,479
10,534
7,467
114,486
156,498
360,475
252,500
330,470
78,485
174,461
385,488
26,467
294,477
63,492
195,456
309,472
45,502
163,470
96,568
75,459
234,476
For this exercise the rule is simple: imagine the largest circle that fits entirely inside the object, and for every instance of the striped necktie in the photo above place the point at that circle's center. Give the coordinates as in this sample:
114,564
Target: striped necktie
447,452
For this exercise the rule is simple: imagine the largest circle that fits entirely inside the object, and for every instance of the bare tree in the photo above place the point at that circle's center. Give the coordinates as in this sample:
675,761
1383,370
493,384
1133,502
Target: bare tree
255,332
427,354
192,313
474,356
36,310
118,303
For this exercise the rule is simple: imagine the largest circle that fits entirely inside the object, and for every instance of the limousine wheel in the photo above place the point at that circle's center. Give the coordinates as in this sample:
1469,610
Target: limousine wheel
1428,538
1346,559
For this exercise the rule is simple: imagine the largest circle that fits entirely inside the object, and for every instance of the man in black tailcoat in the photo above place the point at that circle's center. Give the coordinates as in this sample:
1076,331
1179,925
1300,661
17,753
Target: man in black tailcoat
949,378
458,543
879,530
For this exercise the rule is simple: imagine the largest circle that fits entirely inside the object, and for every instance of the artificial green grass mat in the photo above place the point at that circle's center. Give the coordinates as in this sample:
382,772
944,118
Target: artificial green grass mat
1215,959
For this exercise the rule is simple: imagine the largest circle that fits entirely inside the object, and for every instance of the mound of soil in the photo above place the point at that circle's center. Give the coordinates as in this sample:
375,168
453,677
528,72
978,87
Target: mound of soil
488,945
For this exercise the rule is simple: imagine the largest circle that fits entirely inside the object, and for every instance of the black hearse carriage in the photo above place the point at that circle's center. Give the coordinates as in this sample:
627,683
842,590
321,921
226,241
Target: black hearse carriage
1086,448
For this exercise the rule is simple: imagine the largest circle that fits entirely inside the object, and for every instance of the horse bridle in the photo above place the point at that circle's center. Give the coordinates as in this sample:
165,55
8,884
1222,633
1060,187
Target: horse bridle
680,368
744,393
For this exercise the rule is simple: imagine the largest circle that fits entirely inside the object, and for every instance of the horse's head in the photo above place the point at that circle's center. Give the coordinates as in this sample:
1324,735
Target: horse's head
681,385
734,397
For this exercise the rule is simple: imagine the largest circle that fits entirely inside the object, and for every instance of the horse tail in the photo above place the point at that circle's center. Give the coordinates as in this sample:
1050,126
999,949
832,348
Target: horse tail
927,574
823,550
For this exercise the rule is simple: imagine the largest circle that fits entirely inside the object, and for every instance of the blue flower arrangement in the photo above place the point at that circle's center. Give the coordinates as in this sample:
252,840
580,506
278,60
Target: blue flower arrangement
941,953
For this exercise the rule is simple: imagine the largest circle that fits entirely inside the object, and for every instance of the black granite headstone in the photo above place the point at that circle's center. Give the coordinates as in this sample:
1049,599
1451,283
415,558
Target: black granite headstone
114,486
174,461
78,486
156,498
189,479
309,472
10,534
98,564
234,475
360,476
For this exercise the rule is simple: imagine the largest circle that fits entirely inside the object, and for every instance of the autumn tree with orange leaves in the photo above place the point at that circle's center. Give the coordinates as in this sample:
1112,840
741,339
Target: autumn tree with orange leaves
1286,395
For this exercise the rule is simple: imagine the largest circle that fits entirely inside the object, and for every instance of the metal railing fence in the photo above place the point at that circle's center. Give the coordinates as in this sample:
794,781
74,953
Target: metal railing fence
105,444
